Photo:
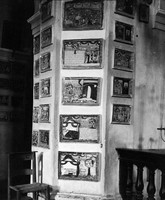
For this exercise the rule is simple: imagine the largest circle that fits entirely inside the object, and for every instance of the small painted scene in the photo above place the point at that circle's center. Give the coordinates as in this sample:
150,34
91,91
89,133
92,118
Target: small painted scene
79,128
80,54
46,10
35,114
45,87
44,113
121,114
125,7
35,138
44,139
83,15
46,37
123,59
45,62
36,91
36,44
80,91
79,166
36,68
122,87
124,32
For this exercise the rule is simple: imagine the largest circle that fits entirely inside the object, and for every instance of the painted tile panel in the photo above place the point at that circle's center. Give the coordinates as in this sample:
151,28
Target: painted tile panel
79,166
79,128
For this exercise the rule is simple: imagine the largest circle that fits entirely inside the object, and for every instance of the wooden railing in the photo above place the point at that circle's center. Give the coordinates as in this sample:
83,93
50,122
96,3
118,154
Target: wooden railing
152,160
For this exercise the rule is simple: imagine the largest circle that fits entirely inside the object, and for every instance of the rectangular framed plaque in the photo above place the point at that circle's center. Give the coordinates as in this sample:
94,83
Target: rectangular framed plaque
45,87
121,114
79,128
125,7
80,54
44,113
36,68
122,87
46,37
36,91
45,62
35,114
124,32
44,139
123,59
36,44
79,166
46,10
35,138
81,91
83,15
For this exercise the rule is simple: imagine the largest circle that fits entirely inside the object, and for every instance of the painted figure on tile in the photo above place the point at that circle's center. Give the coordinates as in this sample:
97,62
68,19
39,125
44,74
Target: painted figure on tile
44,113
35,138
44,138
36,91
45,87
35,114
